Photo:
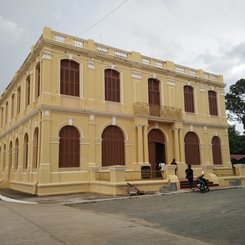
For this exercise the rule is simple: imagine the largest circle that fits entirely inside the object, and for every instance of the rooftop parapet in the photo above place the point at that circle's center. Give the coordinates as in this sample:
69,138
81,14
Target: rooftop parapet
129,56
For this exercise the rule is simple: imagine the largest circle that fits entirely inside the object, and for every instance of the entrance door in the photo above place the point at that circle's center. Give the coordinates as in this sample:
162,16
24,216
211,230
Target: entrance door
156,148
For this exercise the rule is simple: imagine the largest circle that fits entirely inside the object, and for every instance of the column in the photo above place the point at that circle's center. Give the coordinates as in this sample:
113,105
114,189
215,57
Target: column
182,143
46,76
176,144
44,172
146,152
91,146
140,143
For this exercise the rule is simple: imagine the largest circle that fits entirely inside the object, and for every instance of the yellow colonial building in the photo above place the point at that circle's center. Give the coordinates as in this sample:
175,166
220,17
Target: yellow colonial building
80,116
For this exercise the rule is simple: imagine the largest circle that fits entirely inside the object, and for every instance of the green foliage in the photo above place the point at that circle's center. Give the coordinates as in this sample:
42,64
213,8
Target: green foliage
235,102
236,141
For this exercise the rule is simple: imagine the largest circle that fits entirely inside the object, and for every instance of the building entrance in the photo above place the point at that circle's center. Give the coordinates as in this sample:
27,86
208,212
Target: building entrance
156,148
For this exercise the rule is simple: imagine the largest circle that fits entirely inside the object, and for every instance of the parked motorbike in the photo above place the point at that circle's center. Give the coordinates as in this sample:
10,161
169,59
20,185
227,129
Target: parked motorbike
202,183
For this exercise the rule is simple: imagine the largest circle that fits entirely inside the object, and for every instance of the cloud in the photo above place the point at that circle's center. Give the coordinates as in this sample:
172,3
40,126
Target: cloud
10,32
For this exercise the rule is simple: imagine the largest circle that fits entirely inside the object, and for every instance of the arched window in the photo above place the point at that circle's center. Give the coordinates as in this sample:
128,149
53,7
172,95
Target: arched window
18,100
35,148
10,154
189,99
6,112
212,100
112,85
69,148
216,149
69,77
113,149
25,151
154,96
37,81
28,90
16,159
4,157
192,152
12,105
1,166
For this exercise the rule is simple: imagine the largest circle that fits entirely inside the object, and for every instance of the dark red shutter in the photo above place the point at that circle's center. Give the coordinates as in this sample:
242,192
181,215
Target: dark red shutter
188,99
69,78
212,103
154,97
113,149
112,85
216,150
192,152
69,147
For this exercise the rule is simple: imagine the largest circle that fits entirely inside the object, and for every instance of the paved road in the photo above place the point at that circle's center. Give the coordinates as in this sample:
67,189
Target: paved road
217,217
191,218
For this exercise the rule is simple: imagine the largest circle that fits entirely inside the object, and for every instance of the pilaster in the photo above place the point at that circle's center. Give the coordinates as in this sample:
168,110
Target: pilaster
44,173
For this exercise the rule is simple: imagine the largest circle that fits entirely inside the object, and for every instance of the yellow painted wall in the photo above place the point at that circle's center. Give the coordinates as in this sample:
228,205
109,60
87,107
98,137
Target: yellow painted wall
91,114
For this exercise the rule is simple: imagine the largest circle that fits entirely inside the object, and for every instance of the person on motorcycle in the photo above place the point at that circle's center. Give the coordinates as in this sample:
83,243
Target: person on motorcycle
202,179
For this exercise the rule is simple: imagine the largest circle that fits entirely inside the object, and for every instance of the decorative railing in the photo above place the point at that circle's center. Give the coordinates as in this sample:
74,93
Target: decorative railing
124,55
166,112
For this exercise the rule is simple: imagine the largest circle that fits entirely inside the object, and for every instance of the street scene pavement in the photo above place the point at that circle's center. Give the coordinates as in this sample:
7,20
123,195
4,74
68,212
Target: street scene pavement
181,217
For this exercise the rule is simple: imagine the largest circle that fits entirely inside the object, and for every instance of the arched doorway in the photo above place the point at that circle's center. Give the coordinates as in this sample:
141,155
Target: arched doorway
192,152
113,149
156,148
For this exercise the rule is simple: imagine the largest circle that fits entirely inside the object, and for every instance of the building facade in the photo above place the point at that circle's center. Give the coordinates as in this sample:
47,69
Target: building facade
82,116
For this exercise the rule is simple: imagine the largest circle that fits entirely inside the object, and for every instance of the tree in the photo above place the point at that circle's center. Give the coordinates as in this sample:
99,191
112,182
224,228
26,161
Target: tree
235,102
236,141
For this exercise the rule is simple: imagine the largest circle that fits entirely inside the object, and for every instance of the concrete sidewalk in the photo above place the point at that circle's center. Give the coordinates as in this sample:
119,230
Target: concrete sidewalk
85,197
58,224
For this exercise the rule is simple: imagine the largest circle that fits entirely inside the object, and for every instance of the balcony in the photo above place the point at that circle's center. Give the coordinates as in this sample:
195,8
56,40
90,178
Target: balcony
164,112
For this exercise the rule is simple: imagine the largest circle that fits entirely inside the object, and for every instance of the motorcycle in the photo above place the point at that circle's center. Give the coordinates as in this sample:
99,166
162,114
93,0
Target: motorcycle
202,183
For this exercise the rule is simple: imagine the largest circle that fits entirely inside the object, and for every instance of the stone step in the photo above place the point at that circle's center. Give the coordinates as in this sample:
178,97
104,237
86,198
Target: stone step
184,183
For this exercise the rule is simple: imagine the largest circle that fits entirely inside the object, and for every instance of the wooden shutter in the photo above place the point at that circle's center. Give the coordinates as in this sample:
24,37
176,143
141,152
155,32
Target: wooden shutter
113,149
188,99
69,147
192,152
154,97
217,159
112,85
69,78
212,103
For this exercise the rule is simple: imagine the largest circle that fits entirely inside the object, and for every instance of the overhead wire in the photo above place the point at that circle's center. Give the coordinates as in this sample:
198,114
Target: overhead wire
103,18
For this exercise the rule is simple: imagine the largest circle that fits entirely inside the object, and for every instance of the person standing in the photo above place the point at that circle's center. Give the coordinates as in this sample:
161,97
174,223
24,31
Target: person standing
189,176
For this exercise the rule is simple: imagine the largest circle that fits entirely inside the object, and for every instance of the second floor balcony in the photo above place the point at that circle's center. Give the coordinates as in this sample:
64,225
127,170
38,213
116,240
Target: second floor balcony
165,112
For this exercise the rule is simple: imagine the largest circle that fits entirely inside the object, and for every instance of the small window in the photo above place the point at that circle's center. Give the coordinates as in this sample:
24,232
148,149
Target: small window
18,100
28,90
6,112
16,159
25,152
38,78
112,85
12,105
189,99
212,99
69,78
154,96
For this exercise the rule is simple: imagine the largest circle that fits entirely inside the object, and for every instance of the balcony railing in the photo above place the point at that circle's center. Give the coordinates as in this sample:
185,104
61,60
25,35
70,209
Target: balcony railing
166,112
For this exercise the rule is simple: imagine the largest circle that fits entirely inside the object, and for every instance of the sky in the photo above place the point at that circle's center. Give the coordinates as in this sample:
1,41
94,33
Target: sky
202,34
